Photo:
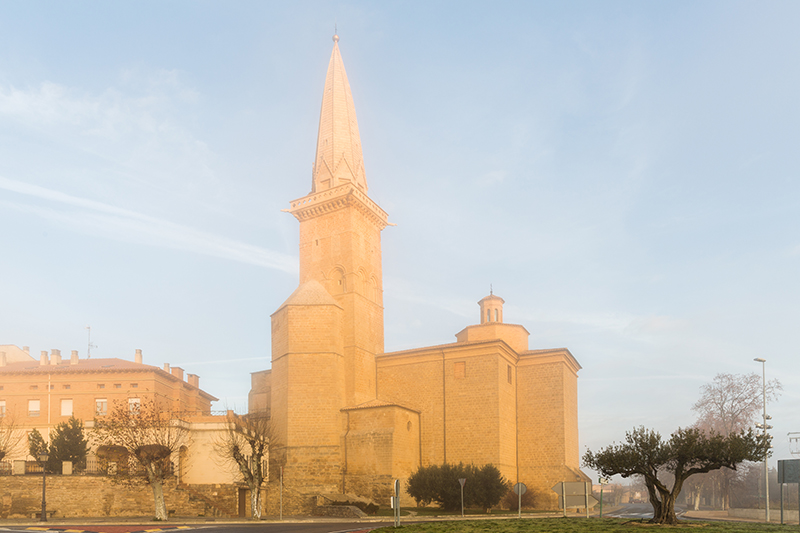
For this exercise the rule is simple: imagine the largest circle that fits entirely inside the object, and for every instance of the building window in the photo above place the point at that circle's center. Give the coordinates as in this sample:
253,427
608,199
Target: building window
460,370
509,373
101,385
117,385
134,385
52,387
34,387
101,406
2,408
66,407
1,387
134,404
66,387
33,407
496,314
488,315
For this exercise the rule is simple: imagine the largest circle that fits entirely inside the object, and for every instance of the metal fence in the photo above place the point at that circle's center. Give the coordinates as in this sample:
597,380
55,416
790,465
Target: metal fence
94,467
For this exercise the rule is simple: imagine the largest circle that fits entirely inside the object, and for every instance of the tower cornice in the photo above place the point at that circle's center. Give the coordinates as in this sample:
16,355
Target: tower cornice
341,197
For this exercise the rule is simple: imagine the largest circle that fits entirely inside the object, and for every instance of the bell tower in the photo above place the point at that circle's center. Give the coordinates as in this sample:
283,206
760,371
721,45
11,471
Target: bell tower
340,233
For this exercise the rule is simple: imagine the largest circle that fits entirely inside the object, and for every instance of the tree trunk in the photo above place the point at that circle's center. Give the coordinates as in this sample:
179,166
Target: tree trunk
158,498
696,500
255,502
667,515
158,493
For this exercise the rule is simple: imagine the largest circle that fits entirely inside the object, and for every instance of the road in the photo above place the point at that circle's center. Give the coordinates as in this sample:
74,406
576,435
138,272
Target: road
261,527
636,511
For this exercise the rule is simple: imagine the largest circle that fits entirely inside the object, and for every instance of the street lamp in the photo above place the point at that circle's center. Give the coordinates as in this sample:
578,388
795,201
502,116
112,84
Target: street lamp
43,457
764,426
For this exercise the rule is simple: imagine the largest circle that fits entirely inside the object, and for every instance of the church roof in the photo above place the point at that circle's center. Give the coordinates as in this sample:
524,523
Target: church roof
338,159
310,293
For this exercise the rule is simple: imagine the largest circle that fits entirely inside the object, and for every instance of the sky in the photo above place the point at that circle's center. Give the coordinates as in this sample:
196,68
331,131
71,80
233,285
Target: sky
623,174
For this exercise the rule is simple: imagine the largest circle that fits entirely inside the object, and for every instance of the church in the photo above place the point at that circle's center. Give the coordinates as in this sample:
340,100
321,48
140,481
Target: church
348,417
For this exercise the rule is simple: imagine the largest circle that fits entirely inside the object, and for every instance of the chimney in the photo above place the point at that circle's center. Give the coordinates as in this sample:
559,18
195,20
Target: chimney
43,359
177,372
73,358
27,350
2,358
138,357
193,379
55,356
166,368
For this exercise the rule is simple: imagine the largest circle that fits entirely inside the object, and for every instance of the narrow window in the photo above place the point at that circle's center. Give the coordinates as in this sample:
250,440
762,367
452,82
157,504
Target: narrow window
134,404
101,406
66,407
488,315
34,387
33,407
509,373
66,387
117,385
101,385
495,315
134,385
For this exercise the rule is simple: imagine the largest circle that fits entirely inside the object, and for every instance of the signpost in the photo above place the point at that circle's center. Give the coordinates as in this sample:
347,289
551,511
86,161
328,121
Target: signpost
602,481
461,482
575,494
396,503
789,472
519,490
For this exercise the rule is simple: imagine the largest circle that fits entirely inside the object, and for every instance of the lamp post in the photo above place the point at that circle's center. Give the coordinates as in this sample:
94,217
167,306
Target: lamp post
43,460
764,426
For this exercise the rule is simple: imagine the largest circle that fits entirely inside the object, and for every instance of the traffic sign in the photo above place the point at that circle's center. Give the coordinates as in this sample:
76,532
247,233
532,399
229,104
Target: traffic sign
520,489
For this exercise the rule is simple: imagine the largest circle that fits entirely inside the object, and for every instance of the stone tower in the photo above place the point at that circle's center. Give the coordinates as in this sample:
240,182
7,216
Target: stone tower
326,336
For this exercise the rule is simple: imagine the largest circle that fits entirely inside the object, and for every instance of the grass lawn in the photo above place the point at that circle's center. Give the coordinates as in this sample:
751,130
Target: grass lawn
580,525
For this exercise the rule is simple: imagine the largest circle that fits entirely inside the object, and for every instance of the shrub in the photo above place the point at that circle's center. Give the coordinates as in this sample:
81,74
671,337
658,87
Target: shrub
485,486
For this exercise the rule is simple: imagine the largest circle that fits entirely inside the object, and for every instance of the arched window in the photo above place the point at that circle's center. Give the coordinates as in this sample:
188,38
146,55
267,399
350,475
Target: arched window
488,315
495,315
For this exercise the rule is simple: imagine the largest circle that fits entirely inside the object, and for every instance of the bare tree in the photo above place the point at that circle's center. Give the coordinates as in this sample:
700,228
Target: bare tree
11,437
147,434
246,444
732,402
729,404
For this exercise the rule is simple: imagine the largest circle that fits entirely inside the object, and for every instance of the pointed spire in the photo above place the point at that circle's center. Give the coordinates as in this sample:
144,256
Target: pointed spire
339,159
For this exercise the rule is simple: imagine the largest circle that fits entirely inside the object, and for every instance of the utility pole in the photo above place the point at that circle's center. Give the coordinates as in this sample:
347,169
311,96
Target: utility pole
765,427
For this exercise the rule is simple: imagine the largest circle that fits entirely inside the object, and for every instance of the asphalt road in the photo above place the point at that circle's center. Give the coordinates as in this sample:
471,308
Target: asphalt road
636,511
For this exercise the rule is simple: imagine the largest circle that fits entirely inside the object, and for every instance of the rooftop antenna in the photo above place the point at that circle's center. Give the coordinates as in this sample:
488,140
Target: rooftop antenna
90,345
491,291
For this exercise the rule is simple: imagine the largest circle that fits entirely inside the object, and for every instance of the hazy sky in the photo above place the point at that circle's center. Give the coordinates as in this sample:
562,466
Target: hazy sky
624,174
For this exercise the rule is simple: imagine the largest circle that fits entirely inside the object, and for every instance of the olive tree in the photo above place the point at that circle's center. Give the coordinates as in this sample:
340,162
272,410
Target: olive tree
687,452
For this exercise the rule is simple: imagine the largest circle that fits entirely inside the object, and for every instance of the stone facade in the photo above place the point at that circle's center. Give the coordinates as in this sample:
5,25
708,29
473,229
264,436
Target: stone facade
349,417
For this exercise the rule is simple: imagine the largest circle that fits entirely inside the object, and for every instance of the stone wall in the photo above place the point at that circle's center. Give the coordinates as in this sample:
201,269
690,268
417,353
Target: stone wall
95,496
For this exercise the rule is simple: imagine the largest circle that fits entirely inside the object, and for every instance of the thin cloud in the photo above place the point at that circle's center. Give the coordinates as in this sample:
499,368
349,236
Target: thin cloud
123,224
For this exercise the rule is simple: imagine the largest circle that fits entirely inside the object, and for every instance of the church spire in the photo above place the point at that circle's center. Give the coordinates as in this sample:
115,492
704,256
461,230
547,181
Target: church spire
338,158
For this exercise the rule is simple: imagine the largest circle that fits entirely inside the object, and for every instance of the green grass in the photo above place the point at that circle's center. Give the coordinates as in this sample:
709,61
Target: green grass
437,511
580,525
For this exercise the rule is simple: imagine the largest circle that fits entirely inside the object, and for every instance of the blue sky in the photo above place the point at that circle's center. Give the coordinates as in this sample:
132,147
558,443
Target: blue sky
624,174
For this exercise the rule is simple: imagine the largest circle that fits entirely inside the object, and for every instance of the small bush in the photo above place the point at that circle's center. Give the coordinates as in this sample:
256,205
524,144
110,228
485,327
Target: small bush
485,486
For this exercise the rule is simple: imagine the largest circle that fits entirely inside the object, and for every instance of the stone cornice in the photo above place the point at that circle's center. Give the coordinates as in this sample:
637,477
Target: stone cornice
347,195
